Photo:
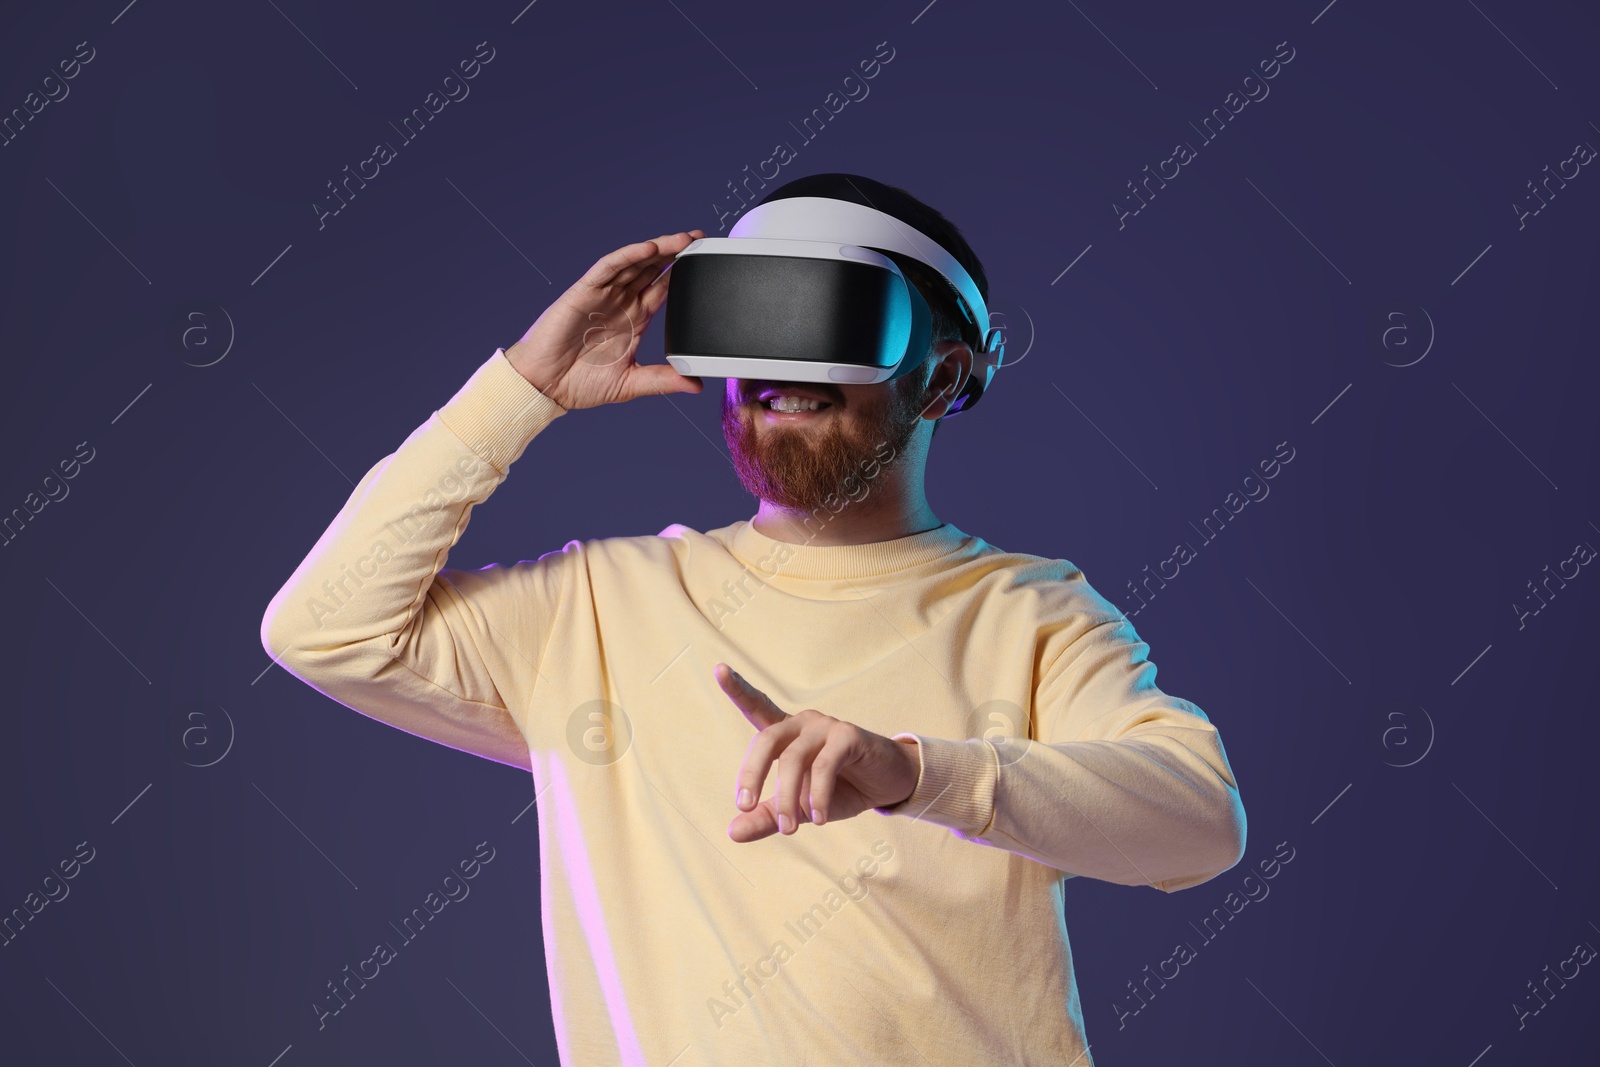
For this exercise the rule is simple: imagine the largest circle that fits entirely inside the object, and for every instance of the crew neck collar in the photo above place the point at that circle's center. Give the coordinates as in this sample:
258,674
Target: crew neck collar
772,558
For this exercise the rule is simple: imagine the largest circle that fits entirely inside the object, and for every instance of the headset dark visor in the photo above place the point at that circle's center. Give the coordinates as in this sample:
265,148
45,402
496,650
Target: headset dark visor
858,316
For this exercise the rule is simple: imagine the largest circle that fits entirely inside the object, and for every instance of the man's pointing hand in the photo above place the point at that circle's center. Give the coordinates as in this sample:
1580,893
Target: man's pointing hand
826,768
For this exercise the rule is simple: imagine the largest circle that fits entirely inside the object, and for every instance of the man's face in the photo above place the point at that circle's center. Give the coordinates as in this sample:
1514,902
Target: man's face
798,461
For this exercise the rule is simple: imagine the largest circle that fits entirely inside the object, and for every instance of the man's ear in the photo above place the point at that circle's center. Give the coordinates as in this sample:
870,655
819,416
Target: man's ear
952,366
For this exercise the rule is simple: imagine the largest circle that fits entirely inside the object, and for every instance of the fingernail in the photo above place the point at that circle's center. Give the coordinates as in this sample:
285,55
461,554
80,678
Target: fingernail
744,798
814,820
783,823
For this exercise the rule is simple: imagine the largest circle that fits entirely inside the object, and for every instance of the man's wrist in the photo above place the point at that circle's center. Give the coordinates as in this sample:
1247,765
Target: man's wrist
515,356
913,760
911,765
955,784
496,412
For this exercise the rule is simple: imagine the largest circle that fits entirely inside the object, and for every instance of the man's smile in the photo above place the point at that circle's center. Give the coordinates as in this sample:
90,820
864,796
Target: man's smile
806,412
791,401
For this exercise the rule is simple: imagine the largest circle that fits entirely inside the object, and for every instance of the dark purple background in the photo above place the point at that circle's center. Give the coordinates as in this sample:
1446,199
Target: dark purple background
1360,616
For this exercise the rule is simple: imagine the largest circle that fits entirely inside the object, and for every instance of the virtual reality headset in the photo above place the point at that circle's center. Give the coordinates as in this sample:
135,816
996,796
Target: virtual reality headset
812,289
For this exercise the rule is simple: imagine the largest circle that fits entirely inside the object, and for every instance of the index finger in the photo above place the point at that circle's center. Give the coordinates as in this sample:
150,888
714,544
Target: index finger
756,705
624,265
648,276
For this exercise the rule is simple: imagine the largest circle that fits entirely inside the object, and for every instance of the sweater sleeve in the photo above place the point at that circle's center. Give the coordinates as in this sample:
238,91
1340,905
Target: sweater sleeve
373,619
1119,782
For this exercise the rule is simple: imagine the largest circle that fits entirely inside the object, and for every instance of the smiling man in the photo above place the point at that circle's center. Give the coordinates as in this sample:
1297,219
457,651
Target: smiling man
958,728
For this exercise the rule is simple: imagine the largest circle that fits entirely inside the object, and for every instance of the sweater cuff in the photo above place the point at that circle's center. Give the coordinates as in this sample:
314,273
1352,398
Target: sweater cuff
955,785
498,411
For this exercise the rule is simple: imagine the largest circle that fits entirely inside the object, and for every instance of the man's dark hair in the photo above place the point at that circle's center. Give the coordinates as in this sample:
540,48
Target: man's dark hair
948,322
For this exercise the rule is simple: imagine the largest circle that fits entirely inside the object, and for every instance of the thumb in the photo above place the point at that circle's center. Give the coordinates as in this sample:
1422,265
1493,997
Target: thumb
647,379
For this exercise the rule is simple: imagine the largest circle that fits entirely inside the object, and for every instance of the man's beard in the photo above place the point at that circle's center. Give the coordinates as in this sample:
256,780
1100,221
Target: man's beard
802,467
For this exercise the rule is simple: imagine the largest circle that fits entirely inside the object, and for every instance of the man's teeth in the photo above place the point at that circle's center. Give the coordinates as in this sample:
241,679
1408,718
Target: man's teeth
793,403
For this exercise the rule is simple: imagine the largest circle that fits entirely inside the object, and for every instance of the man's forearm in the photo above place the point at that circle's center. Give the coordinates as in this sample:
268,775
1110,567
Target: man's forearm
368,598
363,579
1158,807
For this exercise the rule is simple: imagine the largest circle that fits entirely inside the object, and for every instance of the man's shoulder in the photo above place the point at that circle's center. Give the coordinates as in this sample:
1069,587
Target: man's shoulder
1025,569
1054,584
675,543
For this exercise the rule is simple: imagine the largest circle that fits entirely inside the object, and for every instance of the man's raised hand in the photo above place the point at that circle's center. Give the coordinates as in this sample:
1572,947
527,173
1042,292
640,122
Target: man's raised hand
580,351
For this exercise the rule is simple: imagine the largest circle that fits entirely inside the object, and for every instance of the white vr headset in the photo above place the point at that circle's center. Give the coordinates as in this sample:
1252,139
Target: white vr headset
811,289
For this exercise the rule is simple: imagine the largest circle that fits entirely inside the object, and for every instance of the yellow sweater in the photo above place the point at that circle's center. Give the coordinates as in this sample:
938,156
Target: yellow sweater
931,932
